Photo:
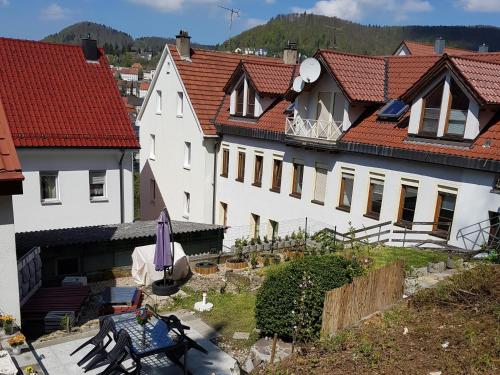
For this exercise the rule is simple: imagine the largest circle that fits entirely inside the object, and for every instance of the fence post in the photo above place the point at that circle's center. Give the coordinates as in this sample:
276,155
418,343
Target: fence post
305,236
404,237
379,230
335,236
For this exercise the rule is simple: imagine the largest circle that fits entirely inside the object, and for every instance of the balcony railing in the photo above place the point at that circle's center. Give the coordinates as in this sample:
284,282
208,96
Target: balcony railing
315,129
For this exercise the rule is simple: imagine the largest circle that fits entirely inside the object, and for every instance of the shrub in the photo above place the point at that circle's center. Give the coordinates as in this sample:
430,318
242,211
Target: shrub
279,297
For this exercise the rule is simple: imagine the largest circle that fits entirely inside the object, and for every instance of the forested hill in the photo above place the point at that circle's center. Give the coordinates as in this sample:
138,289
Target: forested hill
312,32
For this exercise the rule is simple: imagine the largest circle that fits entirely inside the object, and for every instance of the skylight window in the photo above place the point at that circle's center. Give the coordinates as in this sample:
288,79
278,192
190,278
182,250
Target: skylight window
394,109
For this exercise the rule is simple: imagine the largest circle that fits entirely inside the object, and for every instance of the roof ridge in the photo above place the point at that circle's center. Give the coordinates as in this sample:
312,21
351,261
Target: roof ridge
375,57
471,58
40,42
430,45
226,53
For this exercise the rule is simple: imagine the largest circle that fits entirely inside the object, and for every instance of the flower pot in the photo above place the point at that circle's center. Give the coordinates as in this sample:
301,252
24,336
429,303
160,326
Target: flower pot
205,268
236,264
8,329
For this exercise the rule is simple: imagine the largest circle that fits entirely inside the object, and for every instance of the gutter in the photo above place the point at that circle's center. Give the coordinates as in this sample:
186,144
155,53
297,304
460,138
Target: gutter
122,198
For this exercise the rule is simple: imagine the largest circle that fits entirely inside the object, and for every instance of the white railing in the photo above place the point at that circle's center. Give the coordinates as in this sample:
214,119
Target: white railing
316,129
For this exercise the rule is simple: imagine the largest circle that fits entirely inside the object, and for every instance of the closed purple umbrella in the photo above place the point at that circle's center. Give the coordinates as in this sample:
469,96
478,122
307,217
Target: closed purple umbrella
164,253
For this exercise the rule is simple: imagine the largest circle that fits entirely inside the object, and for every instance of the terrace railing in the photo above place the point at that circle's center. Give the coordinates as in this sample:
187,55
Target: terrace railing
419,237
481,234
313,129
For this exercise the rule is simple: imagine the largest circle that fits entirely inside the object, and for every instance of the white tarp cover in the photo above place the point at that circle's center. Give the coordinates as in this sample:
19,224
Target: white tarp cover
7,366
143,269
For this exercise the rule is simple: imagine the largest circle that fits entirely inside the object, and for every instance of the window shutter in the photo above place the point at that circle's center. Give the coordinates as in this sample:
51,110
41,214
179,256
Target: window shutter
97,178
320,185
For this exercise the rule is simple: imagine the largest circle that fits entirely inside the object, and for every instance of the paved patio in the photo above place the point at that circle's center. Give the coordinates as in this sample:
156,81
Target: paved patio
54,358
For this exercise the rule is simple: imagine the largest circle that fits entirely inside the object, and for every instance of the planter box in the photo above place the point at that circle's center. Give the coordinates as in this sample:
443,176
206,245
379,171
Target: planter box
236,265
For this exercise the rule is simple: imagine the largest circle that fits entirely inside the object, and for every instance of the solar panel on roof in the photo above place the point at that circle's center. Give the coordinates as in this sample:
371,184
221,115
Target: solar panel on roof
394,109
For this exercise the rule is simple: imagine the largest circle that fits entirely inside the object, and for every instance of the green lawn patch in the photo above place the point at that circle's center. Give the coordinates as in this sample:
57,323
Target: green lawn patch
412,257
231,313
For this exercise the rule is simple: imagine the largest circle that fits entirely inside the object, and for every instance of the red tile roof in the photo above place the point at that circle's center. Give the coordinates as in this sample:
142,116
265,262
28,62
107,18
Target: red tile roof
269,78
144,86
60,99
205,77
273,119
10,167
360,77
419,49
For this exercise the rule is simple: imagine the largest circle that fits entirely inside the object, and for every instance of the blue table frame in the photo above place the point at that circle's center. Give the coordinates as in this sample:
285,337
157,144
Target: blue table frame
155,338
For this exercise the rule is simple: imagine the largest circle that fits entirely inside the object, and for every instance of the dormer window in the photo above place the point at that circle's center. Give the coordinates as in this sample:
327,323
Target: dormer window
457,116
244,99
250,101
432,111
239,99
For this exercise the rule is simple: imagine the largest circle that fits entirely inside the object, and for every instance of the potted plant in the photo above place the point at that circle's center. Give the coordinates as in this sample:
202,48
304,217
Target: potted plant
16,342
253,261
30,370
260,245
8,324
238,261
266,246
142,317
252,245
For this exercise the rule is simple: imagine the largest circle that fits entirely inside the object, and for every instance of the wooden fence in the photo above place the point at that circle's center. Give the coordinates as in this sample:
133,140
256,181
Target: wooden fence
351,303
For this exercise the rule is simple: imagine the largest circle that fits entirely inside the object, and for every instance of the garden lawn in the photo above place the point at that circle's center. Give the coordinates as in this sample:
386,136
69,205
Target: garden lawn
232,312
383,255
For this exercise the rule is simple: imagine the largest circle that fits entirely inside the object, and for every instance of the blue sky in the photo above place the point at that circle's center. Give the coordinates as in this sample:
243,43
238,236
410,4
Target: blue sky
207,23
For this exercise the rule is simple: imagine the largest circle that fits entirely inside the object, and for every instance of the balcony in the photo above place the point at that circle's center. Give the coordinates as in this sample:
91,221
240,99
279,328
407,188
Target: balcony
308,131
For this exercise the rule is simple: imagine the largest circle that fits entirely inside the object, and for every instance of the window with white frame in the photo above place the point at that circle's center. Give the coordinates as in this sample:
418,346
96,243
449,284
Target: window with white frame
187,204
180,104
187,155
152,147
49,187
320,185
158,102
97,185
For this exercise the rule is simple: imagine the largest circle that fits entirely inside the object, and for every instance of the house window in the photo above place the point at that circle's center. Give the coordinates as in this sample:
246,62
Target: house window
180,104
187,204
431,112
97,184
152,147
255,226
225,162
407,205
496,184
187,155
445,208
323,109
277,170
320,185
49,189
298,176
239,100
223,214
241,166
250,101
257,180
68,266
152,190
346,187
457,116
375,194
158,102
272,229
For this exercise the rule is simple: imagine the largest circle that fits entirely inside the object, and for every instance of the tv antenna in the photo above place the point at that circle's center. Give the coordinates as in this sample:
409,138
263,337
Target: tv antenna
233,12
334,30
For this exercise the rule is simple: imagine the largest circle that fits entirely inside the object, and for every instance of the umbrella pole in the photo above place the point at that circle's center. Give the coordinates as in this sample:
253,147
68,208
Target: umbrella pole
164,275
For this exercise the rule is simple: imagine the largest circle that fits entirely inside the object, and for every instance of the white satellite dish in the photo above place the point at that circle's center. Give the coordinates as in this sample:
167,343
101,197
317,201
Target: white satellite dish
310,69
298,84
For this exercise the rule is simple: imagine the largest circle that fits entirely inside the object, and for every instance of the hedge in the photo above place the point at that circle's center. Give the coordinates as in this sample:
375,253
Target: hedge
279,296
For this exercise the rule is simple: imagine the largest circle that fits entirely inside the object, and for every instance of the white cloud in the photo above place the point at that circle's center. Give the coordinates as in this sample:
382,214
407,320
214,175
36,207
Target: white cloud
55,12
252,22
171,5
356,10
4,3
480,5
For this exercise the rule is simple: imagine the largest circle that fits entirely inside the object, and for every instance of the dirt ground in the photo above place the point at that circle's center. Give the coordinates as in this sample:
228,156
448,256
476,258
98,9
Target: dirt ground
452,329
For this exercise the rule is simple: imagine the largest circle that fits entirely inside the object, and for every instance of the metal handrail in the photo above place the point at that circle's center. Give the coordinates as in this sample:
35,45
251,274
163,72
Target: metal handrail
317,129
479,232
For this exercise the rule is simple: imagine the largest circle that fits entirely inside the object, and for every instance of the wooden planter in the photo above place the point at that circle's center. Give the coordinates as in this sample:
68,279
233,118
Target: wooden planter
272,258
205,268
236,264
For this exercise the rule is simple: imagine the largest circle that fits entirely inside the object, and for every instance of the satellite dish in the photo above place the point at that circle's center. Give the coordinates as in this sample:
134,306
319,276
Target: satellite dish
310,69
298,84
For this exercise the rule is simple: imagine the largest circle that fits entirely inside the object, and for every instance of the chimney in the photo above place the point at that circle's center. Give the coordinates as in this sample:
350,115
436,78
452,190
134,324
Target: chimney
483,48
439,46
183,44
290,54
89,47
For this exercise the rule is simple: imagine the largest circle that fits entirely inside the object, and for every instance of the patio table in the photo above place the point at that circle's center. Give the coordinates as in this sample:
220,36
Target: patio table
155,338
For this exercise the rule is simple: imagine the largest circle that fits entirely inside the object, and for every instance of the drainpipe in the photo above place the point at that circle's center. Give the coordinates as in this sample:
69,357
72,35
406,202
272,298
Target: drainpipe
216,146
122,198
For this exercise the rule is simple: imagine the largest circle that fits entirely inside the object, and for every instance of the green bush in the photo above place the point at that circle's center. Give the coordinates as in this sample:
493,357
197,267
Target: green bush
283,299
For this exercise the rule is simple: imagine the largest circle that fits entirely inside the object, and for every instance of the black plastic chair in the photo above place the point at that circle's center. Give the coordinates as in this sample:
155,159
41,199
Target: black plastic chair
107,328
116,356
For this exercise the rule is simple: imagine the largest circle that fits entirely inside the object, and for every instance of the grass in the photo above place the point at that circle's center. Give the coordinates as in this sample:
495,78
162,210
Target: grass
232,312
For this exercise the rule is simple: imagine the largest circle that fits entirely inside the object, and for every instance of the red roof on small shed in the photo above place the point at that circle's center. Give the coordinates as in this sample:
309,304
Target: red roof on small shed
53,97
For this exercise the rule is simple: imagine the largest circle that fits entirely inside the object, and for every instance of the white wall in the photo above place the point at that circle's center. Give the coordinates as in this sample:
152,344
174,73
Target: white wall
9,294
75,208
167,169
281,206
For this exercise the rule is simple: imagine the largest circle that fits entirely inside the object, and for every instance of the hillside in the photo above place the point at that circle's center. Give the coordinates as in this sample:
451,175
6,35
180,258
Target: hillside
312,32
